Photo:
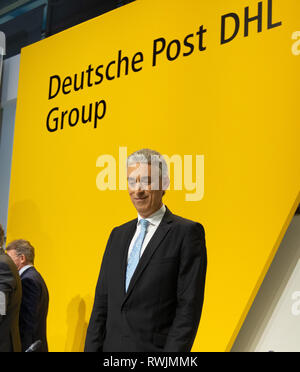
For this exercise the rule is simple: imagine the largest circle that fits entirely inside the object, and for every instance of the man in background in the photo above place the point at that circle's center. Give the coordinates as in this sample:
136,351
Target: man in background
11,294
35,299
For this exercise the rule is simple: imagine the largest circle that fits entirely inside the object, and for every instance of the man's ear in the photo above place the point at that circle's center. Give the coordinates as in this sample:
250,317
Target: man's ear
165,183
23,258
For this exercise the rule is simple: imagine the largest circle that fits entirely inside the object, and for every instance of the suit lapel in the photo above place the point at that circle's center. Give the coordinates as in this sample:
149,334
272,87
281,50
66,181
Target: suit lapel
153,244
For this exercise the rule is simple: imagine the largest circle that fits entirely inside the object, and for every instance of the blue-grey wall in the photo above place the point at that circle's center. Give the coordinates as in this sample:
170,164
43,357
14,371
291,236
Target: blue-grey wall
9,89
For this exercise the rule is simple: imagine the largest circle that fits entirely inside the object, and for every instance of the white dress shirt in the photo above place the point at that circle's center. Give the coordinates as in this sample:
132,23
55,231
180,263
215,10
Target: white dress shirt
155,220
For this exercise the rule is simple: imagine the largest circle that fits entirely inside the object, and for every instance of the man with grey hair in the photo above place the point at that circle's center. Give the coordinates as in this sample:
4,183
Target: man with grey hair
150,290
10,301
35,299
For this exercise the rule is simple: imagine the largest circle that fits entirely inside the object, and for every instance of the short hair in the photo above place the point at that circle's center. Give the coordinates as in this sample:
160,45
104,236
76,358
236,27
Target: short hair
2,237
22,247
151,157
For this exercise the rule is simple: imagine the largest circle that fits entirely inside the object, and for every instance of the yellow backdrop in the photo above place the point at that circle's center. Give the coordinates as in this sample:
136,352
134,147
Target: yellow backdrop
235,105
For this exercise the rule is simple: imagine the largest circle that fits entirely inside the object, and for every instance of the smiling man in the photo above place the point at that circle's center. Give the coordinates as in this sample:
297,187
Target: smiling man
150,290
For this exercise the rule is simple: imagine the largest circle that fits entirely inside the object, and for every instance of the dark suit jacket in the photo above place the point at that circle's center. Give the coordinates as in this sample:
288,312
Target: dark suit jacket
10,284
162,307
34,309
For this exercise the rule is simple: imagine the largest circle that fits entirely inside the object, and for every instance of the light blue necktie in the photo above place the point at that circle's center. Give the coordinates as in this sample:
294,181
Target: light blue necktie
135,253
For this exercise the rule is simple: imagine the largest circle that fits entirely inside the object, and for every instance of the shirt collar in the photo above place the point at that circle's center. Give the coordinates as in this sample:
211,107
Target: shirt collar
156,217
24,268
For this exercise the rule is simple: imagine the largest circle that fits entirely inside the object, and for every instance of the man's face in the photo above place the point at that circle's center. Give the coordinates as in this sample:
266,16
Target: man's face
145,188
18,260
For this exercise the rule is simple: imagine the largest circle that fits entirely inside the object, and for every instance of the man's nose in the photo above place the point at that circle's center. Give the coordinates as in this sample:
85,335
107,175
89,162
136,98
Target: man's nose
138,187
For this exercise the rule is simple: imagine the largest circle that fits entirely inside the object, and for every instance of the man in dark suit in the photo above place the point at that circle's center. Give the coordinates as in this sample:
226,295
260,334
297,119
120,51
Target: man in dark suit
11,294
35,299
150,290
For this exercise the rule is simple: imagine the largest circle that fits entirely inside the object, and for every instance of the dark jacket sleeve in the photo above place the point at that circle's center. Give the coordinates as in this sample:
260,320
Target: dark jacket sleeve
7,282
97,325
29,311
190,291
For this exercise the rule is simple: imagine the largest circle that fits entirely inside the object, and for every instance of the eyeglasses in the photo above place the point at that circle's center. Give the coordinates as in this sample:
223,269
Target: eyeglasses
144,182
